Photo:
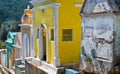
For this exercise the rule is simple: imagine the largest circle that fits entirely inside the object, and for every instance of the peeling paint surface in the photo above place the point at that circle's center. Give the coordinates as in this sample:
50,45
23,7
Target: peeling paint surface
101,7
97,37
101,36
95,6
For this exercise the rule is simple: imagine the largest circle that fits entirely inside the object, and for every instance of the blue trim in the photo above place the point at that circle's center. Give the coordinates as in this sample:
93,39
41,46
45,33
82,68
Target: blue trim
70,71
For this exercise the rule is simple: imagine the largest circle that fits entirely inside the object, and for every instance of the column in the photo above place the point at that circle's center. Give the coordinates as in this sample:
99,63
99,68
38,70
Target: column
31,42
56,61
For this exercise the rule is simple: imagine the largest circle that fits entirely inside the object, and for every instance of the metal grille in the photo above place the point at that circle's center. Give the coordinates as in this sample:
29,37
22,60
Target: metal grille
67,34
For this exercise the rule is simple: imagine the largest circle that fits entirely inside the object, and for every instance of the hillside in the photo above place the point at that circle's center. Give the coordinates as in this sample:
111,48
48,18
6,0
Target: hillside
12,9
11,12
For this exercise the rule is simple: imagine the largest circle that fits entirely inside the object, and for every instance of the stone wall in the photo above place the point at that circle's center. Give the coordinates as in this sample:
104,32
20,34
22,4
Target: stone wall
31,68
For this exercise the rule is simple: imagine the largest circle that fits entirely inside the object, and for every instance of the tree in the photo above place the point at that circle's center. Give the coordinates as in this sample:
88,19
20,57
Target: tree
11,12
13,9
7,26
2,45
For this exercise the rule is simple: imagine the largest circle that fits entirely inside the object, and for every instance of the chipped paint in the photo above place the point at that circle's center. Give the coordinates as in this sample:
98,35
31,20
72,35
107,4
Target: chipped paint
96,6
101,36
97,36
100,43
101,7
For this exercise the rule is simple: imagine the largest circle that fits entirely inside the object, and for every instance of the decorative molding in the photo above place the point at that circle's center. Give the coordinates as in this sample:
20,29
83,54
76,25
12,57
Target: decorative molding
78,5
37,1
47,6
25,25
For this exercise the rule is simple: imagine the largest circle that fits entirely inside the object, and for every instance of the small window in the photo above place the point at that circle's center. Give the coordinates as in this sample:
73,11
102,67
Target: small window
67,35
37,32
52,35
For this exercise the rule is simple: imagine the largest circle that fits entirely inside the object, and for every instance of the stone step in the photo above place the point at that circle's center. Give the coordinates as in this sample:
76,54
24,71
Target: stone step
42,67
50,69
46,70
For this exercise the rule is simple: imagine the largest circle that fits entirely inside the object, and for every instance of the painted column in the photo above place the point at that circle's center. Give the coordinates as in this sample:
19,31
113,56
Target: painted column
56,61
31,42
24,47
40,43
33,10
22,51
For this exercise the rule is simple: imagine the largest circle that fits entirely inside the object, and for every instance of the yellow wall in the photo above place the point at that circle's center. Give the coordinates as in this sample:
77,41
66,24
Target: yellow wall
46,17
69,18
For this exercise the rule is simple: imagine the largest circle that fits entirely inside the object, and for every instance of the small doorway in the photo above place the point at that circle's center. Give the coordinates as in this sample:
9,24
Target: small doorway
44,43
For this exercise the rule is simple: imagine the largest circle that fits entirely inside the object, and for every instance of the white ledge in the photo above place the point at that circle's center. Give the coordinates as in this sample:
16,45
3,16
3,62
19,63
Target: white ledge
37,1
78,5
47,6
26,25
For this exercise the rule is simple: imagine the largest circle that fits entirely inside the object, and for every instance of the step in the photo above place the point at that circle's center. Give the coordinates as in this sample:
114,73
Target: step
50,69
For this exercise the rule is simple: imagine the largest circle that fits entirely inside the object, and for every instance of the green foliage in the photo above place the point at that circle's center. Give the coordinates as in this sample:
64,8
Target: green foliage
2,45
11,12
7,26
12,9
